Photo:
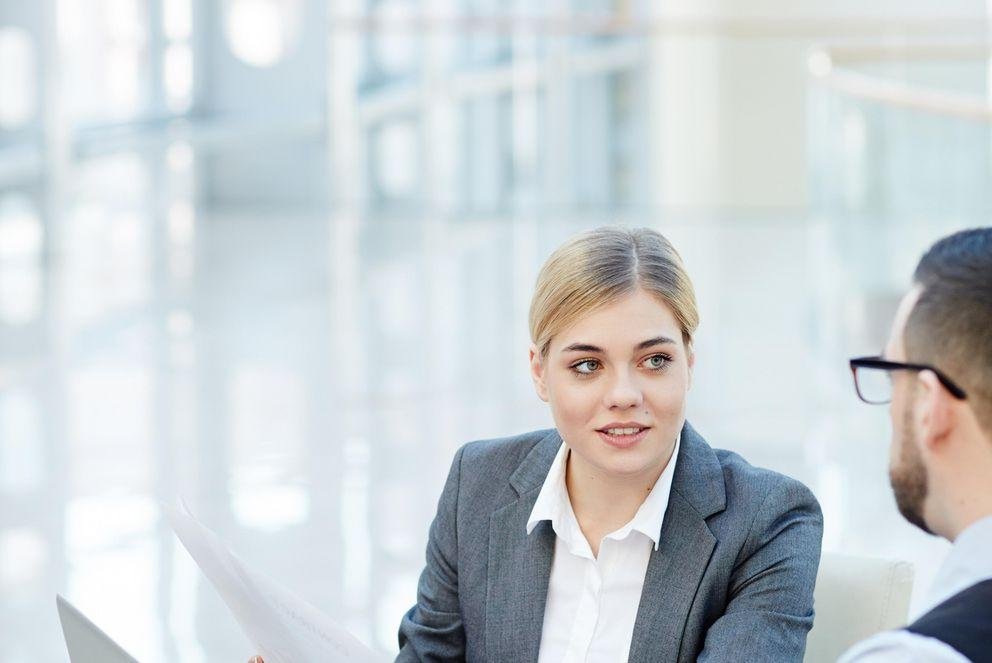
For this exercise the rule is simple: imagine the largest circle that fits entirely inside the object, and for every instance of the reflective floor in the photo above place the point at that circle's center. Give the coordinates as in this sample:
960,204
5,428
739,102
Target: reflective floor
303,378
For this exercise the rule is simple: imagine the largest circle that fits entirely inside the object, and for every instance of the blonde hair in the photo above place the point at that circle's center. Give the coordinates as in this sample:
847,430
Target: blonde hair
598,267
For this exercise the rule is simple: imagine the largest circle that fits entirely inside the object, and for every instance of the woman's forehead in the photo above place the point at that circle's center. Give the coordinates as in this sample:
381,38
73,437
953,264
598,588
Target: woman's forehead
636,308
623,325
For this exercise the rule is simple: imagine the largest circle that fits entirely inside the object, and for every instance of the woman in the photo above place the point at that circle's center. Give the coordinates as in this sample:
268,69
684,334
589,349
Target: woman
619,534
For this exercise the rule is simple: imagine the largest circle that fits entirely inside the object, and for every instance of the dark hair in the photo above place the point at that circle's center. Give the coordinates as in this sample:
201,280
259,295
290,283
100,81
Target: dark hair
951,324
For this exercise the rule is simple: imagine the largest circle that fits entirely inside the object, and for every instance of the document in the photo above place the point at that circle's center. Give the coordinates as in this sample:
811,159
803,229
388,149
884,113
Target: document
283,627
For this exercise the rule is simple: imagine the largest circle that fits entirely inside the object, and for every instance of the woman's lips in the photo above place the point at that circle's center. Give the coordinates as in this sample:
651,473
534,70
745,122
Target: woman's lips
623,441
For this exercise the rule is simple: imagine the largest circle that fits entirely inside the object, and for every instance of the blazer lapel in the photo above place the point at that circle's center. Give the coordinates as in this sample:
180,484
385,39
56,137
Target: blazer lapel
673,573
520,564
676,568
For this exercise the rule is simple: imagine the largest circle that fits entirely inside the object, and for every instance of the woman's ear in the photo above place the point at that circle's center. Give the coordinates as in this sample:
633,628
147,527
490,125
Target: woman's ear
691,362
537,373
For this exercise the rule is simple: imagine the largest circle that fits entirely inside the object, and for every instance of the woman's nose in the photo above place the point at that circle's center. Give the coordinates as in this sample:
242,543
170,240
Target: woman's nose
623,393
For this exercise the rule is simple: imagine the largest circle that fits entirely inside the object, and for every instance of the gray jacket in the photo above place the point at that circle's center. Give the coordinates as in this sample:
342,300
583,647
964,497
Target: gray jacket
732,579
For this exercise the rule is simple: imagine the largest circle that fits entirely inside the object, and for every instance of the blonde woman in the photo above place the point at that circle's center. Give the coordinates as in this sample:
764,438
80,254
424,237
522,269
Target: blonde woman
619,534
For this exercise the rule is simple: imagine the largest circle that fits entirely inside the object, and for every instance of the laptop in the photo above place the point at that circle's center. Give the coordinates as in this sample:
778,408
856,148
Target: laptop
87,643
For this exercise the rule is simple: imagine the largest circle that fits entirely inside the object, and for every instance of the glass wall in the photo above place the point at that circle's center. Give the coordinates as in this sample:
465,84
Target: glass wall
275,257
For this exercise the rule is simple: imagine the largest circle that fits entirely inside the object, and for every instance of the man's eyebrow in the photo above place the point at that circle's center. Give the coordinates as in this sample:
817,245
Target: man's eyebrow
586,347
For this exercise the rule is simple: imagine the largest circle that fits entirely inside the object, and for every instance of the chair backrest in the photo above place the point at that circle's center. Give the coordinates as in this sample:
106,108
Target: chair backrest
856,597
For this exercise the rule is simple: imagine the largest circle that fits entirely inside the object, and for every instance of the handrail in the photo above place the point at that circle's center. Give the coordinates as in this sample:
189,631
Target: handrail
947,49
831,66
607,24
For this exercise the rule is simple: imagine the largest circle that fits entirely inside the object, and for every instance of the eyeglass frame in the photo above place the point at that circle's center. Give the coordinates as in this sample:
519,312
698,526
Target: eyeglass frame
879,363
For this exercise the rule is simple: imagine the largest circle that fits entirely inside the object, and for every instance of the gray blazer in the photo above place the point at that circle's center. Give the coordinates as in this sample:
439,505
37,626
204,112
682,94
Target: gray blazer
732,579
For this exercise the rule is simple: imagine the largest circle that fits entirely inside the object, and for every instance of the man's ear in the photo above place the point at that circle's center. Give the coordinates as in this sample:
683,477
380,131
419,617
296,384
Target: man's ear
934,411
537,373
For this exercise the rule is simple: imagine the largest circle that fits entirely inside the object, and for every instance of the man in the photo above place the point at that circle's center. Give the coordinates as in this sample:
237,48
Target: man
937,374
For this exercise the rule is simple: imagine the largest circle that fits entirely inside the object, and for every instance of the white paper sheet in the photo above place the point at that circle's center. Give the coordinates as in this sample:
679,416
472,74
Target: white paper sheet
283,627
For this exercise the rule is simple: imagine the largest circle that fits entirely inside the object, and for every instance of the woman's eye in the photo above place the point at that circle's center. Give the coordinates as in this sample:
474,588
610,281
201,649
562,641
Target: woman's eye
657,361
587,366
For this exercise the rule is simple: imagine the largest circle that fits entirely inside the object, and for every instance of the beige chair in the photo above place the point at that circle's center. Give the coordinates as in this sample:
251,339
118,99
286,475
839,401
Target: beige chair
856,597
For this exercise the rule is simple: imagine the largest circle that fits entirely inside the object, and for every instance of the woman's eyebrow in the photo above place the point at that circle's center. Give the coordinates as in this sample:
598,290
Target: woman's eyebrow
586,347
657,340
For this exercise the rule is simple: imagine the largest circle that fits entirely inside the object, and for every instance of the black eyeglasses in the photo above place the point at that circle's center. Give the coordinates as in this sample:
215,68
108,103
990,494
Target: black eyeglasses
874,384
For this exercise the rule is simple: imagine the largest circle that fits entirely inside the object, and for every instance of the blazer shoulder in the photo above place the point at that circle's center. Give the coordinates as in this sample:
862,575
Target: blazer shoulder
499,457
754,485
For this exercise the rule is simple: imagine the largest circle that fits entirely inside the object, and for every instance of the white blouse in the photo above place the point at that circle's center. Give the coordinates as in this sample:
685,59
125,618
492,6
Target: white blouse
583,587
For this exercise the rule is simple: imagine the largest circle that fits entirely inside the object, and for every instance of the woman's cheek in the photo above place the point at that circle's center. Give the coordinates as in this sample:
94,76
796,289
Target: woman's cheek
573,404
674,403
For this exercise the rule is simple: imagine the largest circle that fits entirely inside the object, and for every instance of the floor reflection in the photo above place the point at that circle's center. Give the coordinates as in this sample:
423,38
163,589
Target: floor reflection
303,378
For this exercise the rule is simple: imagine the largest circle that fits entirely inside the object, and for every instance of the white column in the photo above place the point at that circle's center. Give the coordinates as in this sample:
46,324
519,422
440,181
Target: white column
729,99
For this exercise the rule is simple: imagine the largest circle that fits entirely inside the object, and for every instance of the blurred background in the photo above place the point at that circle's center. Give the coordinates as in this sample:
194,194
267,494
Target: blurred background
275,257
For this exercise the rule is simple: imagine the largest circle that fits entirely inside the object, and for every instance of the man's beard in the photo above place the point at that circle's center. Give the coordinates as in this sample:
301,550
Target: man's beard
909,477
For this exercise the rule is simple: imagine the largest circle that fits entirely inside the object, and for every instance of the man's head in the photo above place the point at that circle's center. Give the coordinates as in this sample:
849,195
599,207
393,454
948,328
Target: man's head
942,444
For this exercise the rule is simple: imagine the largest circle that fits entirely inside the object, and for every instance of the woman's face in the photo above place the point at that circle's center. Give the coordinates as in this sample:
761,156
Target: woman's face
616,381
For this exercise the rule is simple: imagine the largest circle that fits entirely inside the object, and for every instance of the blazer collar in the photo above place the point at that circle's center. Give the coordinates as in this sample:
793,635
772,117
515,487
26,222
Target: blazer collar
679,564
553,504
698,474
533,470
520,565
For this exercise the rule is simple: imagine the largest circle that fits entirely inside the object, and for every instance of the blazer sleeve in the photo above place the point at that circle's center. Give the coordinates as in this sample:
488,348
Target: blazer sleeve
432,630
770,605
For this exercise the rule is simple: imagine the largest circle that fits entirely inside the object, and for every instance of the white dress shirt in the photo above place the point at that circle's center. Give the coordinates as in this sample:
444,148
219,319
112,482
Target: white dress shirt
968,563
583,587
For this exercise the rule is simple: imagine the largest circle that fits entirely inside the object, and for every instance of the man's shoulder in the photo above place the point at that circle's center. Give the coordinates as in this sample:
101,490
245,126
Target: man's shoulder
901,647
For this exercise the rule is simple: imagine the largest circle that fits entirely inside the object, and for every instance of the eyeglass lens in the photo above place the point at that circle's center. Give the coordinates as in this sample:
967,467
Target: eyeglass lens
874,385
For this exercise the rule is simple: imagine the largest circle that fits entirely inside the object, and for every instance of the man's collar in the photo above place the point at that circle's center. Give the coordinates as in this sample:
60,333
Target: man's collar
968,563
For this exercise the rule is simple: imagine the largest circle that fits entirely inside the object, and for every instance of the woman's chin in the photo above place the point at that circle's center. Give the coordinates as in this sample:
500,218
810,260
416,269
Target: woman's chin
630,465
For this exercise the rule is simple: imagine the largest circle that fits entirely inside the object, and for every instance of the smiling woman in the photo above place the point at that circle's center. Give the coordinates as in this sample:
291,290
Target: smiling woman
616,380
620,534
